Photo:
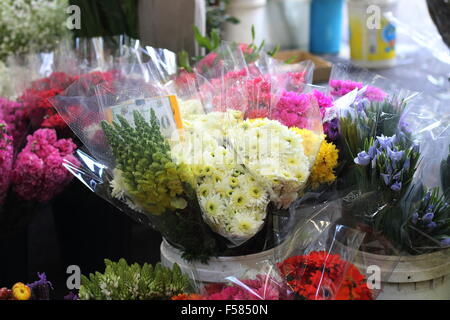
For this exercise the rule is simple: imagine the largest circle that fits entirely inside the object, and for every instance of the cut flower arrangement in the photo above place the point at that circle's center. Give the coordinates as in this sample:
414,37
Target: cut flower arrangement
198,169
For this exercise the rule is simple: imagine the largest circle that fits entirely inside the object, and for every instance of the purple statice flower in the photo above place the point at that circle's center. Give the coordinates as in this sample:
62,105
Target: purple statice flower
331,129
71,296
6,161
40,289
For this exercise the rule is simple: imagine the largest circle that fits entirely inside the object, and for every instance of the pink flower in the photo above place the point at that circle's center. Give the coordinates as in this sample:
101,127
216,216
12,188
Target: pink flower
13,114
262,288
323,101
291,109
340,88
38,172
6,161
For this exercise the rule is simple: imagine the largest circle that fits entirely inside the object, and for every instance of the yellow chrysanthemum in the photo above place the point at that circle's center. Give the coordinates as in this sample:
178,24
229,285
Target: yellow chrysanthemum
326,161
311,141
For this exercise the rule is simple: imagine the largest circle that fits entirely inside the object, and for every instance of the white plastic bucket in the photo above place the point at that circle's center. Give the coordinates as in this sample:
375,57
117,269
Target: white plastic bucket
423,277
217,269
372,36
249,12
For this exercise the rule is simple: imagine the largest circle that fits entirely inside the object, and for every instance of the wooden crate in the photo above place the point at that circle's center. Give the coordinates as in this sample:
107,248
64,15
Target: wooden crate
322,70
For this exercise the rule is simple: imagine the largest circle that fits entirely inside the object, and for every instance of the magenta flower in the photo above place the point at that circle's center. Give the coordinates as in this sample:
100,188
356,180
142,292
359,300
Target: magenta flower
38,172
6,161
291,109
262,288
323,101
13,114
340,88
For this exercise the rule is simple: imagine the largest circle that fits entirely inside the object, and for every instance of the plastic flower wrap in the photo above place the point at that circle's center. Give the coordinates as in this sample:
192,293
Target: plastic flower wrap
260,287
428,225
317,260
320,275
36,98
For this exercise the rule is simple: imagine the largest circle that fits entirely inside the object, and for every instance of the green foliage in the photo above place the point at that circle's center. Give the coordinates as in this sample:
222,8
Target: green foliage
216,15
153,180
212,41
121,281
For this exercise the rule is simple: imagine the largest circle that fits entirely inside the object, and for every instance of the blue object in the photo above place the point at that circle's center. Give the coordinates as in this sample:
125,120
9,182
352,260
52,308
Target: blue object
326,26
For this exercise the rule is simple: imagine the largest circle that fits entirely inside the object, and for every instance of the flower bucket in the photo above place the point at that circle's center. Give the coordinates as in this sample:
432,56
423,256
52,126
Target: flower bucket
422,277
217,269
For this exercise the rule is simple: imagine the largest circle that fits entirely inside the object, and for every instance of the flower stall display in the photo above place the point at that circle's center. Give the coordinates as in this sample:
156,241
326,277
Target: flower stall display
208,180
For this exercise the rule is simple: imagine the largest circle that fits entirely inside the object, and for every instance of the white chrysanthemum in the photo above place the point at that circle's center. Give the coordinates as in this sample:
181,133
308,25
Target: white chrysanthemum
245,224
213,205
239,199
257,195
118,185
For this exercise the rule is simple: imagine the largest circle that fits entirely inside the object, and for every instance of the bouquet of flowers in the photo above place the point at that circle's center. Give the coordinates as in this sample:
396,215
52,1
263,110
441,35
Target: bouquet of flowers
197,169
380,177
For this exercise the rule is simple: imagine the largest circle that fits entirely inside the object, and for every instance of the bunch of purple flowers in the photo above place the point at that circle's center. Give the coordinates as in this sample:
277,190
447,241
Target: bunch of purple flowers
429,224
388,164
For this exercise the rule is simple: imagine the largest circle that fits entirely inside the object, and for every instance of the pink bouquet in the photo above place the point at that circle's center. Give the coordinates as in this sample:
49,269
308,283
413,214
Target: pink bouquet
38,172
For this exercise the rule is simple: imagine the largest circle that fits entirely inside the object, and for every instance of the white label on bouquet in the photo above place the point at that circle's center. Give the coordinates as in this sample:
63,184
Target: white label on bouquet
165,108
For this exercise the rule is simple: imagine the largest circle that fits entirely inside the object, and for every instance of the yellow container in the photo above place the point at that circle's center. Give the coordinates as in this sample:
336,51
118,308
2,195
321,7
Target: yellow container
372,36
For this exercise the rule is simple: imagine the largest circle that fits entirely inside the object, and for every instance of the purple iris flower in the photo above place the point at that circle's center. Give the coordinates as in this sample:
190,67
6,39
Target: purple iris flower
395,155
363,159
396,186
386,178
427,218
397,176
385,142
